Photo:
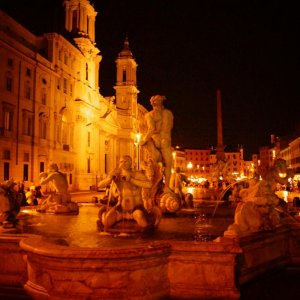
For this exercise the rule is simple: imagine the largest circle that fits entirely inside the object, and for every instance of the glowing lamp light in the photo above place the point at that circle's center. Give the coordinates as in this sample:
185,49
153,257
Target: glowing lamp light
174,155
138,137
282,175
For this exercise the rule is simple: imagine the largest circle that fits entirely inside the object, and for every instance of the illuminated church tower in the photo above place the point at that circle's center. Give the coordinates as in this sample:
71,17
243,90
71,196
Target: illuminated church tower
80,17
126,95
126,85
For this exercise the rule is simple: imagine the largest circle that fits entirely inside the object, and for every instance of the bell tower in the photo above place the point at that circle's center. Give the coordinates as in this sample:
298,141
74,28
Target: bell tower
80,17
126,85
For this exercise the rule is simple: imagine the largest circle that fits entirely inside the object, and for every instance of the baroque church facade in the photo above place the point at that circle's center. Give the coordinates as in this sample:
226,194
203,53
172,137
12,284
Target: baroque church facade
51,108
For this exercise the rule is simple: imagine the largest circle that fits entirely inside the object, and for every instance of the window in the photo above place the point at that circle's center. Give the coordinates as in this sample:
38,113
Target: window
27,129
9,83
43,130
8,120
89,165
89,139
124,76
27,90
6,154
26,157
86,71
10,62
28,72
6,171
65,85
25,172
44,97
71,89
65,131
43,121
27,122
74,20
66,59
42,166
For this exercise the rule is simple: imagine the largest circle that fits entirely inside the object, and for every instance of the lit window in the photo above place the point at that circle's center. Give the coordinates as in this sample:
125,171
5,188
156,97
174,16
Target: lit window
8,120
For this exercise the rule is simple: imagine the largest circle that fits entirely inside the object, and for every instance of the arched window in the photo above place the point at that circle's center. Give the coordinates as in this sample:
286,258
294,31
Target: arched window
74,20
65,129
27,90
9,82
43,121
27,122
44,96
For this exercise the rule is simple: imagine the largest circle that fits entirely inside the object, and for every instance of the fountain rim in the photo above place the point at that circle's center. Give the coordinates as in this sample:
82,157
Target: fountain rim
43,246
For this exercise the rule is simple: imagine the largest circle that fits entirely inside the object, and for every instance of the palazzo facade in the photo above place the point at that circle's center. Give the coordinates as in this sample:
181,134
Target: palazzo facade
51,108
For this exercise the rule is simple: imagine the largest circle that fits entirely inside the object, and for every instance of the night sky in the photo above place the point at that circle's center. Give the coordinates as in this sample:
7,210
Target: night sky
187,49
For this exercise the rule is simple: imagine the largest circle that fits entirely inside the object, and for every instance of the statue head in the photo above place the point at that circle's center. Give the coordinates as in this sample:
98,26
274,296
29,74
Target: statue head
157,100
126,161
53,167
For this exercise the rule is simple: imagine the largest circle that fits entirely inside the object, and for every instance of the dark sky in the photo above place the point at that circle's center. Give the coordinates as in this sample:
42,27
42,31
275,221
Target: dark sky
187,49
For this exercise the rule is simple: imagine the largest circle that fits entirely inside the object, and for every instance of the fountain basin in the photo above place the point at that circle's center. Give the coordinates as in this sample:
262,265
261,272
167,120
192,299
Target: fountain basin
78,262
62,272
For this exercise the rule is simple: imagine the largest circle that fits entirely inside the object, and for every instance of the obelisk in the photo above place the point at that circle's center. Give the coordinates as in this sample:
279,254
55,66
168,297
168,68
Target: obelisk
220,146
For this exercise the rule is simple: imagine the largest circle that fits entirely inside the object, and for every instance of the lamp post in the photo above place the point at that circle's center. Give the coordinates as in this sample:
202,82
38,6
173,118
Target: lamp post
137,145
190,167
174,159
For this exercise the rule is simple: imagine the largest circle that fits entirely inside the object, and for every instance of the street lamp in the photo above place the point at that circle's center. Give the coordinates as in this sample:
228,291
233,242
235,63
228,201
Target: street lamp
137,144
190,166
174,159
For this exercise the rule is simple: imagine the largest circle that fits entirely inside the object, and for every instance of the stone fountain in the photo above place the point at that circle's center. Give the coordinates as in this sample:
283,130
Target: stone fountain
59,256
160,252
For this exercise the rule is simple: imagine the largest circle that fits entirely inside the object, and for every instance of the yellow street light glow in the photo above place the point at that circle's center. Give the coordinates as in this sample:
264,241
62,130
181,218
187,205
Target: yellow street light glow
282,175
138,137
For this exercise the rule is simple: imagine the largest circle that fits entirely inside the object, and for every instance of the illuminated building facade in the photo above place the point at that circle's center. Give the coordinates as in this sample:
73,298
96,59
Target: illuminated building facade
51,108
292,155
268,154
199,163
